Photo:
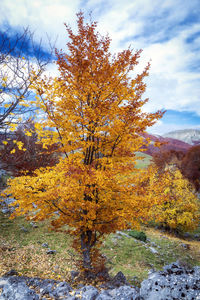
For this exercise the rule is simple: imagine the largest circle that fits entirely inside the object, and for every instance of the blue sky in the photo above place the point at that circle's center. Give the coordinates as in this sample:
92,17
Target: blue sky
167,31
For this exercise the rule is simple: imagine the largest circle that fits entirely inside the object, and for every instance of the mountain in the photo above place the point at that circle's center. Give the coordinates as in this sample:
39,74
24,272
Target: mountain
190,136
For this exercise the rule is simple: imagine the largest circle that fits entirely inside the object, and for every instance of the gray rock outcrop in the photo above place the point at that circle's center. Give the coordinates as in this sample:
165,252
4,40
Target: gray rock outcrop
175,282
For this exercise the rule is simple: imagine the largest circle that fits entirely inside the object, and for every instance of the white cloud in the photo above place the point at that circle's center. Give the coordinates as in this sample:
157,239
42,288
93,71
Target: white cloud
172,83
43,16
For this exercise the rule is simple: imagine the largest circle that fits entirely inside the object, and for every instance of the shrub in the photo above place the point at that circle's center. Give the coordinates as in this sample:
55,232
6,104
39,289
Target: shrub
179,209
138,235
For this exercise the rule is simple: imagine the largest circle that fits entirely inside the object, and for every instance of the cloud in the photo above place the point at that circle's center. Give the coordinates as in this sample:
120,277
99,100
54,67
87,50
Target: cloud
43,16
169,33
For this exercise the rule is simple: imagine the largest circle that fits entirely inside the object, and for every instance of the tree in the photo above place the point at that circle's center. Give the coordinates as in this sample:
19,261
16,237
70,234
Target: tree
163,158
190,166
23,153
18,57
94,111
177,206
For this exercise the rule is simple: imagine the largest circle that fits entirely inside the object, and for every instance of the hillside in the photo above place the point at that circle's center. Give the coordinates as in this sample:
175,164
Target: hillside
26,247
167,144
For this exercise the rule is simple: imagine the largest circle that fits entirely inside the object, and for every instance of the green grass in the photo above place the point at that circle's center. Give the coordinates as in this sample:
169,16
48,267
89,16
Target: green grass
23,251
143,160
133,259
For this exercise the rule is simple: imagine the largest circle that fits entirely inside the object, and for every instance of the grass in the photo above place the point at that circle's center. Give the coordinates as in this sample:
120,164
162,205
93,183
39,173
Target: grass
134,259
23,252
143,160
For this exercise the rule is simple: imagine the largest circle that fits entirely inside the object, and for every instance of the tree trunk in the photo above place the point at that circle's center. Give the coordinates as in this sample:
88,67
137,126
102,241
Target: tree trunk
86,245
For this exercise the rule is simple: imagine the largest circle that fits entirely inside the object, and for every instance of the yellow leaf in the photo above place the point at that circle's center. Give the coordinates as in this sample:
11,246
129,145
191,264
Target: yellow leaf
13,151
28,133
7,105
20,145
13,127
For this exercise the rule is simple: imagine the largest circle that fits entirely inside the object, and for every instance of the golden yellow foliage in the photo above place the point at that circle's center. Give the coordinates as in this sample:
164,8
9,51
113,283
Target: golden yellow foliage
180,207
94,112
12,151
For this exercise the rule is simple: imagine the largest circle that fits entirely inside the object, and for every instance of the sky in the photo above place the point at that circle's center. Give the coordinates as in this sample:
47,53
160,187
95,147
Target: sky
168,32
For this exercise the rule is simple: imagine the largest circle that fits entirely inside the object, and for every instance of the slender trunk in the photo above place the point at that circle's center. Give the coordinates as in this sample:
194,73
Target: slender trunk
86,245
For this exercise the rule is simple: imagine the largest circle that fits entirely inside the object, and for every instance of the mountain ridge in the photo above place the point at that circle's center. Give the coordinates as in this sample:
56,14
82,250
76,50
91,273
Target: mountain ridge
190,136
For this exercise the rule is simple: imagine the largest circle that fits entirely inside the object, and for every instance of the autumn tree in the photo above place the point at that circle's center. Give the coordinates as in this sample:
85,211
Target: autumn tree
190,166
177,207
94,111
162,158
23,153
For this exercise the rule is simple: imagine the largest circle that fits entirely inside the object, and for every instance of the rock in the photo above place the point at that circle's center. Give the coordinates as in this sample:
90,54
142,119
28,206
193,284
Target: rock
5,205
197,236
24,229
61,290
12,272
33,225
153,250
186,235
174,282
177,268
87,293
46,289
104,295
5,210
185,246
17,291
124,293
153,244
119,279
7,201
51,251
74,274
151,271
123,233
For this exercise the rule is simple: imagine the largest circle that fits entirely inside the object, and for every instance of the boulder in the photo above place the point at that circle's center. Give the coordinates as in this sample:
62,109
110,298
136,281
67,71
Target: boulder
176,281
87,293
16,291
124,293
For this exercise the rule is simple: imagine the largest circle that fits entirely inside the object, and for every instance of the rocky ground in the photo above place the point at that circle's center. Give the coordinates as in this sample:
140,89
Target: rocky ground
175,282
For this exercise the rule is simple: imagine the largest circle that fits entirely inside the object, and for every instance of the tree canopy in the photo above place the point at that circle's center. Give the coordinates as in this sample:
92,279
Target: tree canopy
94,111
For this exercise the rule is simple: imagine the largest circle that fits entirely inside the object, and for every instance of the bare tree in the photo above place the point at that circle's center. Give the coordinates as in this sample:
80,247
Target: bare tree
18,57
